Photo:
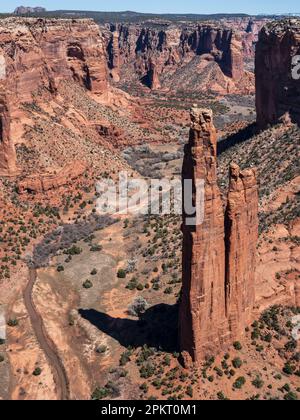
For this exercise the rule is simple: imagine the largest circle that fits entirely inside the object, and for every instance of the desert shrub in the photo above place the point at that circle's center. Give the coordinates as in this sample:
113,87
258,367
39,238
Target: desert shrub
237,363
96,248
288,369
37,371
144,387
167,360
87,284
74,250
121,274
60,268
291,396
133,283
239,383
100,393
221,396
125,357
147,371
189,391
237,345
258,382
219,371
13,322
138,306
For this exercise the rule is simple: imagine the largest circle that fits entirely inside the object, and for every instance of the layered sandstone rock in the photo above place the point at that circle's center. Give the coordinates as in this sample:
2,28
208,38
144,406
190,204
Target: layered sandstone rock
219,253
203,325
277,91
43,183
131,47
241,236
39,53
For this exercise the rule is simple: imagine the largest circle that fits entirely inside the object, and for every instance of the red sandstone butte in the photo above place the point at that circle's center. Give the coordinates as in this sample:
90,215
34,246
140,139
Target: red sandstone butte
219,254
277,92
37,53
241,236
43,183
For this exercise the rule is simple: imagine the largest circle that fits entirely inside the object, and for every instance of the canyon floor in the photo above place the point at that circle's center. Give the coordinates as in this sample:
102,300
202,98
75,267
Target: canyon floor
91,274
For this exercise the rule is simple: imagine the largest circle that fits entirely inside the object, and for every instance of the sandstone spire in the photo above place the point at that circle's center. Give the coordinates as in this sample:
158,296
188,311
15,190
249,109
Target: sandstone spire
202,311
241,227
219,254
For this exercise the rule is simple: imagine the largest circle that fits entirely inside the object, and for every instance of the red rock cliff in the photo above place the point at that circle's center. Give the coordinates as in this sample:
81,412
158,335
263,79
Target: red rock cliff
132,46
219,254
38,53
277,92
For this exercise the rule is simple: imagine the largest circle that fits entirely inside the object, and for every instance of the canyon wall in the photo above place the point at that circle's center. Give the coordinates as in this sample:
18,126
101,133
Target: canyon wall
277,92
219,255
131,47
39,53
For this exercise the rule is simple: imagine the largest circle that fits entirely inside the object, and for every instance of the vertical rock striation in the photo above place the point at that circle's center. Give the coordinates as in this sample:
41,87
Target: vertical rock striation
131,47
218,254
39,53
241,236
203,328
277,91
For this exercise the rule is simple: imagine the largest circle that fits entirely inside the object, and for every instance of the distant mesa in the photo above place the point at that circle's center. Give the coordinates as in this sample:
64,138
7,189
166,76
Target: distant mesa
22,10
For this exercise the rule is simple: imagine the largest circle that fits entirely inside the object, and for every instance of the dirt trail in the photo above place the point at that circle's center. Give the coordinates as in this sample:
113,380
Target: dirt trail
45,342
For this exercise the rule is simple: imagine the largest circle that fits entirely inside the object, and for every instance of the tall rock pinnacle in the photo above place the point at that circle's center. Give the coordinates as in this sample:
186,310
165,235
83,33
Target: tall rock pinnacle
202,313
218,254
241,227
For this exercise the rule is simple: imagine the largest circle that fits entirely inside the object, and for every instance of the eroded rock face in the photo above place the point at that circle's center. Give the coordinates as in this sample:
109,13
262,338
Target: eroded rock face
241,236
46,182
203,325
277,92
133,47
39,53
219,254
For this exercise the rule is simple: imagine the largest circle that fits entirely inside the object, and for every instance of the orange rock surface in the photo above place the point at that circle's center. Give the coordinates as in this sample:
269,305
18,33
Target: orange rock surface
219,255
203,325
241,236
37,53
